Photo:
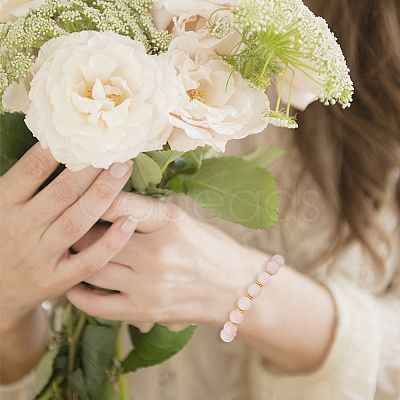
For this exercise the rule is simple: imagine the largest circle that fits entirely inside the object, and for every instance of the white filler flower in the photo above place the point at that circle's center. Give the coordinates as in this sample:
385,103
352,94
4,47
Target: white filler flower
214,105
98,98
12,9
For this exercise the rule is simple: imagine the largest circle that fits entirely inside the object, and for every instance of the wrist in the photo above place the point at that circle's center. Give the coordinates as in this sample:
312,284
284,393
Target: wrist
292,323
223,297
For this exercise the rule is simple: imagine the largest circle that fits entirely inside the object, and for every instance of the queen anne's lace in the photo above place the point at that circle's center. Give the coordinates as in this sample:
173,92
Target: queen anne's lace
276,35
299,34
55,18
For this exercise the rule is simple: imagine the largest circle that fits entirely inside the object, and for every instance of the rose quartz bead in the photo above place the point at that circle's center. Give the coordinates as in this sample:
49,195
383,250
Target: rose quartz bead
230,329
225,337
244,303
254,290
272,267
278,259
264,278
236,316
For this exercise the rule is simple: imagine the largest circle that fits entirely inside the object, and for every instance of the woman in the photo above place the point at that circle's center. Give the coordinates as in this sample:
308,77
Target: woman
328,325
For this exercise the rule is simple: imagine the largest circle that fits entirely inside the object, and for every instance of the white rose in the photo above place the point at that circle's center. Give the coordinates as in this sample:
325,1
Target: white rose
12,9
213,105
164,10
191,17
98,98
196,25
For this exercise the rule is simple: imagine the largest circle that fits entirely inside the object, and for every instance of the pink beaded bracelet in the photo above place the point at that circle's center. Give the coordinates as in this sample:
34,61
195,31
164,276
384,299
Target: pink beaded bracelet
229,330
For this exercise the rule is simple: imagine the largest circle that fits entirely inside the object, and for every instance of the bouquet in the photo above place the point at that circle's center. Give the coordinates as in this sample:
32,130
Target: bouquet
167,84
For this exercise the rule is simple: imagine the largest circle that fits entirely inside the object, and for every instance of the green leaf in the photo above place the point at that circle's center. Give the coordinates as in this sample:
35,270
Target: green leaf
209,152
181,164
61,361
5,165
262,156
194,157
160,193
44,370
78,384
15,137
135,334
176,186
146,172
97,350
191,161
235,190
164,157
156,346
108,322
108,391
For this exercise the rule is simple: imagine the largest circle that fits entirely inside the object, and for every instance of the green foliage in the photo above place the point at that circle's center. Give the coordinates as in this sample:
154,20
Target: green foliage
44,370
107,391
146,173
191,161
194,157
155,347
15,140
61,361
5,165
164,157
97,350
235,190
262,156
135,334
78,384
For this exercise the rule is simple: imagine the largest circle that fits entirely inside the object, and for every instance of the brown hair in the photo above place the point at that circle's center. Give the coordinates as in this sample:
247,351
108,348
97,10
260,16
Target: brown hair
366,137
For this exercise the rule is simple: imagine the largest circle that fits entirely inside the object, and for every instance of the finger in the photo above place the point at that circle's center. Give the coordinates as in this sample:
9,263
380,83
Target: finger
79,267
84,213
64,191
152,214
112,276
99,304
136,251
95,233
24,179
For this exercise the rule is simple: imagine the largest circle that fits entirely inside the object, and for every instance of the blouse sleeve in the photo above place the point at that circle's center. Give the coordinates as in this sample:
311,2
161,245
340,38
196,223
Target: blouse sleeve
363,361
22,389
388,387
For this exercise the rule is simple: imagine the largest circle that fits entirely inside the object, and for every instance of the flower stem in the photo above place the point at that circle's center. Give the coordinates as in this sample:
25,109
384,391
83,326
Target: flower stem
280,92
290,95
267,62
123,386
48,393
56,390
73,348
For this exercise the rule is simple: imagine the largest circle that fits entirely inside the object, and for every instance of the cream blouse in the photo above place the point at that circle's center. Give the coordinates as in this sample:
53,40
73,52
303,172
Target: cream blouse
364,360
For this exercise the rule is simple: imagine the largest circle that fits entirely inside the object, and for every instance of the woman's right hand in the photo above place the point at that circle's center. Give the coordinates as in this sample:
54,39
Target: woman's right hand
39,227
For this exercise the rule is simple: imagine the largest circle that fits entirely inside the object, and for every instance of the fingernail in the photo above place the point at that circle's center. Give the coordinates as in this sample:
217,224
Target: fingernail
129,225
118,170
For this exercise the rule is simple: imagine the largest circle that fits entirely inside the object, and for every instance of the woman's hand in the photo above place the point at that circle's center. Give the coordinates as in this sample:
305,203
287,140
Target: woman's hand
174,268
39,227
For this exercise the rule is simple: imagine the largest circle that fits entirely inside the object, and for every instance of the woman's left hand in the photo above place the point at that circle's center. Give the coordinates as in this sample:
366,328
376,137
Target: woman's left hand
176,269
173,269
